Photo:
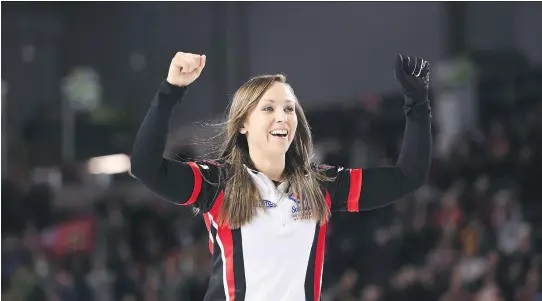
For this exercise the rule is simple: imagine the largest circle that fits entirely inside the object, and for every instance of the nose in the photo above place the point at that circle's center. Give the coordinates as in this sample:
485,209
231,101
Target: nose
280,115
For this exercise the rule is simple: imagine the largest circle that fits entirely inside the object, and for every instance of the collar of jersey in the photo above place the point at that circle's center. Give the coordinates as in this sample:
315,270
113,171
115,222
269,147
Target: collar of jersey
282,187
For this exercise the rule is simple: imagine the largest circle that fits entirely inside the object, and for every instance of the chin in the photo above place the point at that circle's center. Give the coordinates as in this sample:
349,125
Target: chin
278,150
277,147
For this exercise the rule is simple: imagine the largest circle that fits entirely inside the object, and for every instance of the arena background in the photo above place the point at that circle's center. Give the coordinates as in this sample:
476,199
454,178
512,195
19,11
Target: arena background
77,79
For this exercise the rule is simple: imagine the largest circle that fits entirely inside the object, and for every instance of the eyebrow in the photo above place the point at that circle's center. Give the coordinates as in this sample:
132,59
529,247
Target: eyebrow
273,101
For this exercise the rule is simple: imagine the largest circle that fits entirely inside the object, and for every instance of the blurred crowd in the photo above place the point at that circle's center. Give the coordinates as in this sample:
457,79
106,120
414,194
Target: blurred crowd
473,233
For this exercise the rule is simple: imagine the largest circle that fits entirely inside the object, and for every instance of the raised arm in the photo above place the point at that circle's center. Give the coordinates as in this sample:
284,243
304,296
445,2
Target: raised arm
364,189
179,182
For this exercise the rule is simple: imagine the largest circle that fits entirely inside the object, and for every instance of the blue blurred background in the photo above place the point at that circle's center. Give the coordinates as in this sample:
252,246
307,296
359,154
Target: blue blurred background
77,79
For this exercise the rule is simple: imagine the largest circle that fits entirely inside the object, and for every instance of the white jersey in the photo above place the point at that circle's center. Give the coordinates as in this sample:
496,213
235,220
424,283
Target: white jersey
275,257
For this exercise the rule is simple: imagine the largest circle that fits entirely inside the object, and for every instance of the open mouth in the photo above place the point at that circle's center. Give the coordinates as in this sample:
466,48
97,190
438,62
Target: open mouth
279,133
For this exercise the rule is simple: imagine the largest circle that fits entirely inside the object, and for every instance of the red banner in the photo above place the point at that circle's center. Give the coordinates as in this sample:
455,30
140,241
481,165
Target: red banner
74,236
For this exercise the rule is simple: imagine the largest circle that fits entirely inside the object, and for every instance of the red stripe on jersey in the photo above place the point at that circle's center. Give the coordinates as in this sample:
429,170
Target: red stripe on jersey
328,200
217,205
355,190
197,183
214,213
208,225
224,234
320,251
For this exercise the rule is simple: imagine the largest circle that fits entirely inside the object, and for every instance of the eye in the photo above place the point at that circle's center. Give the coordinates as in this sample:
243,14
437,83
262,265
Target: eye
267,108
289,109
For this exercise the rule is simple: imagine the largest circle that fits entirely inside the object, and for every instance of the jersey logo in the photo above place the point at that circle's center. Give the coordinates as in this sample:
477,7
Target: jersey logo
294,197
296,210
269,204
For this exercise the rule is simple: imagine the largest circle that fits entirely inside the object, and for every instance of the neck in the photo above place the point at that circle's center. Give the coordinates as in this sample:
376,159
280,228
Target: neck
271,166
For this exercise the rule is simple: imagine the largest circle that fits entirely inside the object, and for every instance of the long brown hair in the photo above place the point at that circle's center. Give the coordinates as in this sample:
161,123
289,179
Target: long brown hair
241,196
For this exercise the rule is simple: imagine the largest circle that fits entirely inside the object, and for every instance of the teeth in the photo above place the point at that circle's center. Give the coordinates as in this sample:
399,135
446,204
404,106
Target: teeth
279,132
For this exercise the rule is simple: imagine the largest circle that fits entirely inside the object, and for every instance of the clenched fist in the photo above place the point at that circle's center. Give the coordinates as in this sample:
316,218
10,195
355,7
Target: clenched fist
413,74
185,68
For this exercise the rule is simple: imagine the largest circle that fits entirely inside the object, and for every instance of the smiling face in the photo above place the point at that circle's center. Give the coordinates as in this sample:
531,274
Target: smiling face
271,125
266,127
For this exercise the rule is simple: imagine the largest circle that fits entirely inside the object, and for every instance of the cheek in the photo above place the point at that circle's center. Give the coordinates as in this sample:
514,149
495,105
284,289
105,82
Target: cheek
293,128
252,124
293,122
259,127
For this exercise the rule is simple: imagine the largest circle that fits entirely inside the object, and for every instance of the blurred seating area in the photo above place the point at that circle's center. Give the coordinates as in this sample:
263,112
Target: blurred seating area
473,233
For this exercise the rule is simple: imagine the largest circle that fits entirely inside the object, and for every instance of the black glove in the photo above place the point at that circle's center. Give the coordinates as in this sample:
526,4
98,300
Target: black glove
413,74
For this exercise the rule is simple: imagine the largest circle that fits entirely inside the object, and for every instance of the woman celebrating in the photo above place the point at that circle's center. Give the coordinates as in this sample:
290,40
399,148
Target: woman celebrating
265,204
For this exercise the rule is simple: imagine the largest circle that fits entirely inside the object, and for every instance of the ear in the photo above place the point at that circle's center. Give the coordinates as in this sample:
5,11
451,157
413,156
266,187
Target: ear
243,128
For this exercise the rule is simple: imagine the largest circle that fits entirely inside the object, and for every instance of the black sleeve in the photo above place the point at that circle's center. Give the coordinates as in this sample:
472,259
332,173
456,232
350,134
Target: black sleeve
183,183
356,189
